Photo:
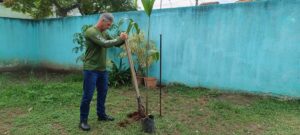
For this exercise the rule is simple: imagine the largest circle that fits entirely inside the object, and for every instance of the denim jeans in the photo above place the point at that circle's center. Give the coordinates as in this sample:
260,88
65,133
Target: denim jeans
91,80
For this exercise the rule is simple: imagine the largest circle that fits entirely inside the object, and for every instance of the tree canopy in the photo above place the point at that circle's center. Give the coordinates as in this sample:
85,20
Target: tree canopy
44,8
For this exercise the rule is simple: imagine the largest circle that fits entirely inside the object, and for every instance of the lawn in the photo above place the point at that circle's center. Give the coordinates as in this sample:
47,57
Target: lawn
48,104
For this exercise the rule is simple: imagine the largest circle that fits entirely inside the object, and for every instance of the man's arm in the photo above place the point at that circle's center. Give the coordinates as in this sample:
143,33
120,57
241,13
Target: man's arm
110,38
101,41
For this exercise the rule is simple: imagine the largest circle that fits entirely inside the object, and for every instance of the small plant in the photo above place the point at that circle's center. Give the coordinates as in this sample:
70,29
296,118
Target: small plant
119,75
137,44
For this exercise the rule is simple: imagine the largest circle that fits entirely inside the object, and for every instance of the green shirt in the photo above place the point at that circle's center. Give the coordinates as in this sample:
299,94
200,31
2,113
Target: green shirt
96,44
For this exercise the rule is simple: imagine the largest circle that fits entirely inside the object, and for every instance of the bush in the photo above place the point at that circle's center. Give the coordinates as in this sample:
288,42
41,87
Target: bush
119,76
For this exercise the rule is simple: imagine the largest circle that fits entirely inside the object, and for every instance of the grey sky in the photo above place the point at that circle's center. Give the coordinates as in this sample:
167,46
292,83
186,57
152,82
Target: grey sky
182,3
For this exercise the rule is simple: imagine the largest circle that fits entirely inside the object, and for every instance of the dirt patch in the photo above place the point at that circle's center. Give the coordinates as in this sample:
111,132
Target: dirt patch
6,118
59,128
203,101
255,129
131,118
237,99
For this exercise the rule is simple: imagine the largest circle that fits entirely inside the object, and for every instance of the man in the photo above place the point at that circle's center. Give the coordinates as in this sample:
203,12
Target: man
94,68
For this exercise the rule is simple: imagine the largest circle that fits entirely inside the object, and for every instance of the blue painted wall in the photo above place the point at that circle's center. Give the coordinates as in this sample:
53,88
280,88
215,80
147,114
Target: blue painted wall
55,40
17,42
246,46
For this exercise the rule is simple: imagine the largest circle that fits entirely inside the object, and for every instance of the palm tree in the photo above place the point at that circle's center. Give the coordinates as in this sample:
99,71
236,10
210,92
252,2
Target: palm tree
148,6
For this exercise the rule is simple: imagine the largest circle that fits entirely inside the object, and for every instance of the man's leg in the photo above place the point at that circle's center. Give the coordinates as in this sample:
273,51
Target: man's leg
102,87
89,83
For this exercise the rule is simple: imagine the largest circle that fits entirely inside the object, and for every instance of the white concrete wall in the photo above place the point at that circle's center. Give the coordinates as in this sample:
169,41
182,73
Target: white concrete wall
7,12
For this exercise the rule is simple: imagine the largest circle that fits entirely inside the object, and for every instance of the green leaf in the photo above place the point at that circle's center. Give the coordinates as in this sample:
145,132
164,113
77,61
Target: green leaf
129,27
131,24
148,6
137,28
154,54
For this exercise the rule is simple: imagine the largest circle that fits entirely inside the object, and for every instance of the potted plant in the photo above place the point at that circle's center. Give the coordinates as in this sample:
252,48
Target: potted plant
144,58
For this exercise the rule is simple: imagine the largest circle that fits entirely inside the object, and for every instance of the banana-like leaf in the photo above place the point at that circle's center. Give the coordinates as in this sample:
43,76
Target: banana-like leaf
154,54
129,27
148,6
137,28
132,24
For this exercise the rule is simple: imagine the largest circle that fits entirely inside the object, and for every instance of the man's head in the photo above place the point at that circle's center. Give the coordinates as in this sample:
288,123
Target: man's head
105,21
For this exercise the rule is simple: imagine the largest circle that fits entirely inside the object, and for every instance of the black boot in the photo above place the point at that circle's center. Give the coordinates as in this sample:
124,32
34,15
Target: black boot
106,118
84,125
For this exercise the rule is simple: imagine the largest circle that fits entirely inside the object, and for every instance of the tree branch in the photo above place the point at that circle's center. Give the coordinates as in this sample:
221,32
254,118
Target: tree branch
64,11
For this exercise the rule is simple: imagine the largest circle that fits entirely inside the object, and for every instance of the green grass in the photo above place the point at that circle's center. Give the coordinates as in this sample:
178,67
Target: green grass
47,104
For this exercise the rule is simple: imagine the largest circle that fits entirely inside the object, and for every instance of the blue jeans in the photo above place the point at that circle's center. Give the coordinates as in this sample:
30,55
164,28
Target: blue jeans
92,79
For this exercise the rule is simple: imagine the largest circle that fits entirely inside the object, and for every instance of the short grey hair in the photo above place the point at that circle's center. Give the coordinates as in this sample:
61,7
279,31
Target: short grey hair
107,17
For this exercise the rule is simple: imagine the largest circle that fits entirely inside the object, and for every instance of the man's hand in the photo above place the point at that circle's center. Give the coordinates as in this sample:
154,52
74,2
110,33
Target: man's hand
123,36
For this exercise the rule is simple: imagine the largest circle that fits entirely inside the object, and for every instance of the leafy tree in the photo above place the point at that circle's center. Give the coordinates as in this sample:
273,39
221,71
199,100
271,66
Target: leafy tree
44,8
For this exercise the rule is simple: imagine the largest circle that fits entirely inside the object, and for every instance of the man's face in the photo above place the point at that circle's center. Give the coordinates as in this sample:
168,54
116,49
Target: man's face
106,24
